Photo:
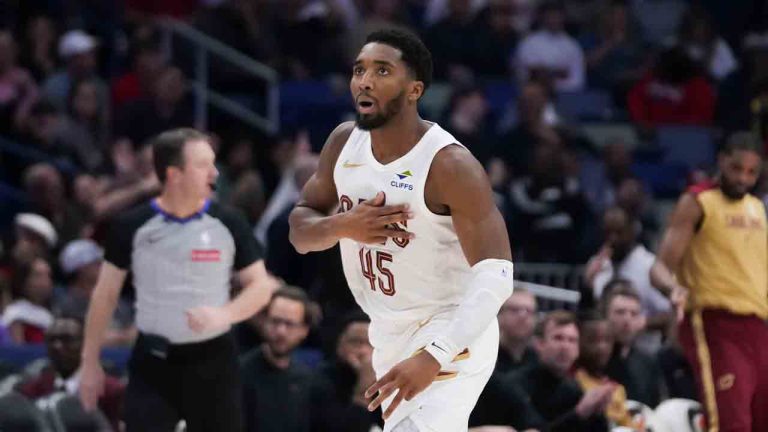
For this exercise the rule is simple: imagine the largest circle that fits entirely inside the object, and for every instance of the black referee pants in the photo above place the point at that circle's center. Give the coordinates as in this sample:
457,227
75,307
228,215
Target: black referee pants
197,382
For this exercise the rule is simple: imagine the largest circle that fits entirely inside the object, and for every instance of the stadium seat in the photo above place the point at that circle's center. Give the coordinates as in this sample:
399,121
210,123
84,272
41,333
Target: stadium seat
8,383
500,95
690,146
678,415
19,414
435,101
585,105
67,415
666,180
602,134
35,367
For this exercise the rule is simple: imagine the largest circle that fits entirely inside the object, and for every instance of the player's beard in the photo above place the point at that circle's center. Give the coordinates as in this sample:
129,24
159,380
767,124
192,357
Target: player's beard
730,190
372,121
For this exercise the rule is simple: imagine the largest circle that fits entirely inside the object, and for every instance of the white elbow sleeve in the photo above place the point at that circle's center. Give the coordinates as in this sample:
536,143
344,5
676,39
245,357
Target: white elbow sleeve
491,284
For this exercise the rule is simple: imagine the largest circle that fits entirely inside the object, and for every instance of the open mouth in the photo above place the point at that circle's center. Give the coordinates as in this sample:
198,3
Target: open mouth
365,104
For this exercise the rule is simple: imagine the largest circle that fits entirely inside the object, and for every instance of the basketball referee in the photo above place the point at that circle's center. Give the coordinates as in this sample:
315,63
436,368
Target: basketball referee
180,249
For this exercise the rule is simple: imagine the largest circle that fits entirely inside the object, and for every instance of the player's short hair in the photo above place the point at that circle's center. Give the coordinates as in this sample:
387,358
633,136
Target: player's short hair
742,141
558,318
618,288
311,311
414,53
167,148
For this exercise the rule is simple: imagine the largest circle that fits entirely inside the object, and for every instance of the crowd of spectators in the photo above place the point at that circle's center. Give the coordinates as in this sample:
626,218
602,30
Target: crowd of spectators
84,85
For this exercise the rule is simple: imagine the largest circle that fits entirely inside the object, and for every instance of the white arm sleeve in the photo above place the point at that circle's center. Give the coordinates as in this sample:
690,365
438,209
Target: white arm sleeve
490,286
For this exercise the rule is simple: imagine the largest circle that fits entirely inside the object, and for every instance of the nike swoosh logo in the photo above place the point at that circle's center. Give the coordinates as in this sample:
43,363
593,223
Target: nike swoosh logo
346,164
438,347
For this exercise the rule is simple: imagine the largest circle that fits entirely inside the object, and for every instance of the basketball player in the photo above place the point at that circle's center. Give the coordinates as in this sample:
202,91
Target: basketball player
712,263
424,248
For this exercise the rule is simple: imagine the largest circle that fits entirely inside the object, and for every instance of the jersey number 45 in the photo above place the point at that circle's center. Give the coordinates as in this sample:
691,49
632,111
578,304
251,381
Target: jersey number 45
381,258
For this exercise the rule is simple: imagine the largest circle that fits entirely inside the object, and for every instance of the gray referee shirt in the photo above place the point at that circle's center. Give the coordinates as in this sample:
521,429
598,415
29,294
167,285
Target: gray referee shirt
178,264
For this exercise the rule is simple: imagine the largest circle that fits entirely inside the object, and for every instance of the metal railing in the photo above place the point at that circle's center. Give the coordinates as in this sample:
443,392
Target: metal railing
205,48
556,286
551,298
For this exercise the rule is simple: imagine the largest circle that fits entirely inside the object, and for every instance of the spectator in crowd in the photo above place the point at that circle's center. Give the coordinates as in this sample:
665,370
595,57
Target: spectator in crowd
595,345
623,257
637,371
505,407
138,11
374,15
497,21
601,178
84,131
468,120
237,161
456,43
46,191
556,396
549,203
78,49
517,319
289,149
245,25
80,260
281,258
338,395
513,150
674,92
29,316
38,53
550,53
635,199
276,388
63,340
166,108
679,380
297,21
5,340
134,181
18,90
658,19
40,132
243,185
146,63
33,237
583,15
697,35
437,10
614,53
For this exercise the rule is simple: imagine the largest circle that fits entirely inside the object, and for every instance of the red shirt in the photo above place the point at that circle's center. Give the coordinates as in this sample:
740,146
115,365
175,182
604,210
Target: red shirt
126,88
173,8
652,102
110,402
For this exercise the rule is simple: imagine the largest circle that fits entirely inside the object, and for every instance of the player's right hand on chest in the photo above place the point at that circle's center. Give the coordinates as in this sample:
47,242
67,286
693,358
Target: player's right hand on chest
372,222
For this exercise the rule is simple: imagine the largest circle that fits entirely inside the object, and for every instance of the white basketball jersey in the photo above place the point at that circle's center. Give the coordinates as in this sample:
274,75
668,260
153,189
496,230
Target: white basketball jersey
400,282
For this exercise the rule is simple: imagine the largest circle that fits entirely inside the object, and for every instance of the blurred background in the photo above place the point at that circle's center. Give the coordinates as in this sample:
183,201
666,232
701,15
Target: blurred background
590,116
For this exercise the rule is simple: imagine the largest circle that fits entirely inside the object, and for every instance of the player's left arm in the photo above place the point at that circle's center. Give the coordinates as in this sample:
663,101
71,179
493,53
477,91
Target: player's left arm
462,185
458,182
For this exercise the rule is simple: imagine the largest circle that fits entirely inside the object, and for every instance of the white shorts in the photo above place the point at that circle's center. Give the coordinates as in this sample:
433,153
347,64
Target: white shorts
446,404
